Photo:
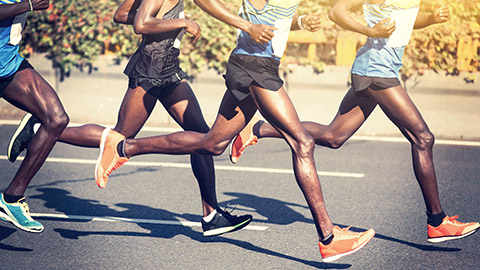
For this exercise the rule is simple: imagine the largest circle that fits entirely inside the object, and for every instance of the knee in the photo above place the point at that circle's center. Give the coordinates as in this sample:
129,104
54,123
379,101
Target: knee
425,140
218,148
57,122
305,146
210,146
333,140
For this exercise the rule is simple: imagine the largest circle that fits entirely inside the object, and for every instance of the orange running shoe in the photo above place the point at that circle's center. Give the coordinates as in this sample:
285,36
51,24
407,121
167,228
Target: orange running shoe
109,159
242,140
451,229
344,243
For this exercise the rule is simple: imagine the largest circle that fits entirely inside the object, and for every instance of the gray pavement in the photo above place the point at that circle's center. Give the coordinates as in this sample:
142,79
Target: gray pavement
449,105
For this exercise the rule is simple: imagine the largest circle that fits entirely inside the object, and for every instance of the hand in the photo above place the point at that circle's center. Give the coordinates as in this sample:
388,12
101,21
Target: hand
261,33
383,29
312,22
194,29
40,4
440,14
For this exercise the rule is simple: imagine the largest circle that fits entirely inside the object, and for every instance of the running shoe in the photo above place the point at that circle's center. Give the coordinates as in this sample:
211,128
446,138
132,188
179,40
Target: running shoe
19,215
451,229
109,159
22,137
344,243
224,222
242,140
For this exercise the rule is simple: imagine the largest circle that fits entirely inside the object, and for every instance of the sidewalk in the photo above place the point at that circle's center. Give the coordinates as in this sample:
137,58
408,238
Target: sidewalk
450,106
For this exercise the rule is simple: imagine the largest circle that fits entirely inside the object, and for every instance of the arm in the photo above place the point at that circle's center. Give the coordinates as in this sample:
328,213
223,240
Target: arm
12,10
339,15
258,32
438,15
126,11
310,22
146,21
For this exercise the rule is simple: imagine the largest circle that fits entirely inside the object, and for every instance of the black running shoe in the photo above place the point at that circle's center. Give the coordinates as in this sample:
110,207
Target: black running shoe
22,137
224,222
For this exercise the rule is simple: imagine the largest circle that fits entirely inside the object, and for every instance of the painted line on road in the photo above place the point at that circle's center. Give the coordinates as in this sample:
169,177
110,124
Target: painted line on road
135,220
355,137
188,166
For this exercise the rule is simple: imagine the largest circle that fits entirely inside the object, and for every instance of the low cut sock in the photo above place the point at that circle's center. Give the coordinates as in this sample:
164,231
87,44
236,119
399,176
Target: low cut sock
435,220
11,198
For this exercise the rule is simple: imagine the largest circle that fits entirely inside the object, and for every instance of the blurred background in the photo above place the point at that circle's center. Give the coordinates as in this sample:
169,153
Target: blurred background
81,52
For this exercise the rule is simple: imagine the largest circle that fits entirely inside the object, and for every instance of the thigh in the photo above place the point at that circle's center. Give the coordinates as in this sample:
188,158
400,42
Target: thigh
183,106
137,105
232,117
352,113
400,109
30,92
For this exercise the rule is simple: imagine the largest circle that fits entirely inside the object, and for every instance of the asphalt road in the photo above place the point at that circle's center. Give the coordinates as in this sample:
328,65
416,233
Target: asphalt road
148,216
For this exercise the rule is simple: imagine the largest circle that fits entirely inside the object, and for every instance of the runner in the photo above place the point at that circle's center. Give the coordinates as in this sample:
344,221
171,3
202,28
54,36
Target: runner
25,89
154,74
375,81
253,84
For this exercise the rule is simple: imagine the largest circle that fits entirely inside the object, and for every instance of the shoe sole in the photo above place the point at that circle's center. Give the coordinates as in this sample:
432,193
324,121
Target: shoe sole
102,147
338,256
22,125
6,217
446,238
231,149
223,230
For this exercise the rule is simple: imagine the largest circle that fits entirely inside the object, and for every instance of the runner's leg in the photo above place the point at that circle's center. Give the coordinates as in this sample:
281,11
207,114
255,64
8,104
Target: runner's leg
352,113
30,92
401,110
134,111
183,106
278,110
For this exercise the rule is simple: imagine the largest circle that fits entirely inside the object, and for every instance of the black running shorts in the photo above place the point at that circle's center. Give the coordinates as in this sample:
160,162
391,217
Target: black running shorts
160,87
245,70
362,83
4,82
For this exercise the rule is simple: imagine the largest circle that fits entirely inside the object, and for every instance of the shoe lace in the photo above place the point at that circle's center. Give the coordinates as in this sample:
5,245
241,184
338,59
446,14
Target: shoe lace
225,209
25,206
453,220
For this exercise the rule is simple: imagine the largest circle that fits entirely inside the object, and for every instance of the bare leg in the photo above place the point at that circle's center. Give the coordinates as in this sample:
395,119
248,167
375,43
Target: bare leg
136,107
398,106
351,115
30,92
232,117
278,110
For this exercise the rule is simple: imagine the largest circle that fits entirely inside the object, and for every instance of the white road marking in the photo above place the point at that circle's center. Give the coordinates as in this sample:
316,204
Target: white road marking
354,138
188,166
135,220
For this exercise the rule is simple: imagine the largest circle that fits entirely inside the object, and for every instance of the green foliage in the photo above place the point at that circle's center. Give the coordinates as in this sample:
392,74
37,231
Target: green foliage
74,33
436,47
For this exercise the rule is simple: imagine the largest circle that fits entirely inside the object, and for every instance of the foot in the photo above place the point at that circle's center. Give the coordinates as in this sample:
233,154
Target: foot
19,215
224,222
344,243
22,137
242,140
451,229
109,159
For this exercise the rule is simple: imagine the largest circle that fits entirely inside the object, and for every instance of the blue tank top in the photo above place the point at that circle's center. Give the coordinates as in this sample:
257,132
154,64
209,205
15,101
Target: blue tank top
382,57
278,13
10,36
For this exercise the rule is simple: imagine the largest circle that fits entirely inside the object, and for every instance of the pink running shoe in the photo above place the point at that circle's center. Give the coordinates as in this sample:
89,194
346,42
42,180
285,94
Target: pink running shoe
109,159
242,140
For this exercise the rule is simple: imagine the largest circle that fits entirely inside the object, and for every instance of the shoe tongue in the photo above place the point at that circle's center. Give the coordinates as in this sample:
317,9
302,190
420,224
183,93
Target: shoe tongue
22,200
